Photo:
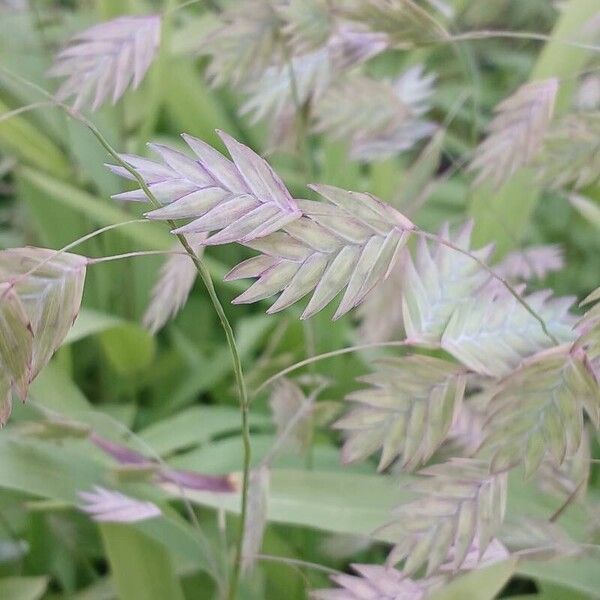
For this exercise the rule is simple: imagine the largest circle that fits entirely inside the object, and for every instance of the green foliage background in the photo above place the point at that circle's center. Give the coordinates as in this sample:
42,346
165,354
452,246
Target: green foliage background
176,391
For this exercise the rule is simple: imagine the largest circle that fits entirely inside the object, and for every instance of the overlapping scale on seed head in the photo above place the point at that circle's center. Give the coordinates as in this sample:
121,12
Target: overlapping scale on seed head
406,22
348,243
378,117
40,296
571,153
245,41
439,280
406,412
306,24
104,60
492,333
173,286
516,133
237,200
374,582
533,262
272,94
538,411
460,505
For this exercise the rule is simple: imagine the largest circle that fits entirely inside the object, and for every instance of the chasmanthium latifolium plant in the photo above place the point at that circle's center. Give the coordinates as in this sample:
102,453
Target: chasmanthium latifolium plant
483,382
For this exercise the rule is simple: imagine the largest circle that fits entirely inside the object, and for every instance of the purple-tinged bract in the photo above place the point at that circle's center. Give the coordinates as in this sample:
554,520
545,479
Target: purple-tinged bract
102,61
349,243
240,200
110,506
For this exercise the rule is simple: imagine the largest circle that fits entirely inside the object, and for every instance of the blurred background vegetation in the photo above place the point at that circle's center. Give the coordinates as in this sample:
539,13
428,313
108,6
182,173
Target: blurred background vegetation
175,390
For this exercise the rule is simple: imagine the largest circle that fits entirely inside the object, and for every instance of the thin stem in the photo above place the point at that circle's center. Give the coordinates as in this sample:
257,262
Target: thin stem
244,408
310,171
235,356
104,259
156,88
210,4
303,118
70,246
39,24
226,325
487,34
455,167
489,270
304,409
313,359
23,109
304,148
297,563
568,501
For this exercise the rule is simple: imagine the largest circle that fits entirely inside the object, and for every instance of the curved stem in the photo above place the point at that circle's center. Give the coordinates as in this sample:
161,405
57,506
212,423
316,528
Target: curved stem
70,246
297,563
226,325
210,4
488,34
23,109
113,257
244,408
568,501
325,356
233,349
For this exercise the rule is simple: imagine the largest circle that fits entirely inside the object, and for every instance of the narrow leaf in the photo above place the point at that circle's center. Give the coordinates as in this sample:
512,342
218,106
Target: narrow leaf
141,567
256,519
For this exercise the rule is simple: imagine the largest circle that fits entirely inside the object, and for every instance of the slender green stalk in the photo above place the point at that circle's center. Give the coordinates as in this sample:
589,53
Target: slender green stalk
68,247
23,109
39,25
303,121
226,325
572,497
319,357
156,88
519,35
235,356
114,257
297,563
210,4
